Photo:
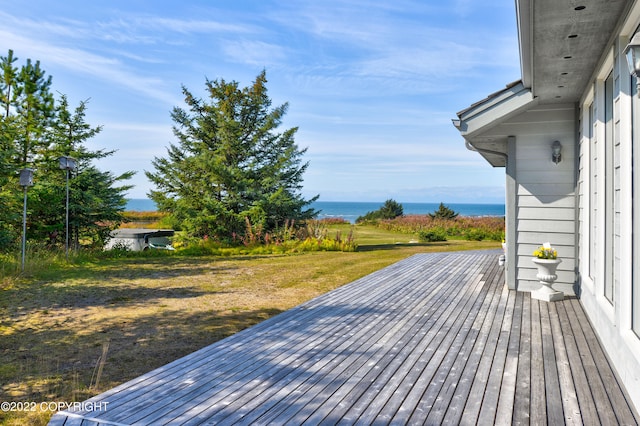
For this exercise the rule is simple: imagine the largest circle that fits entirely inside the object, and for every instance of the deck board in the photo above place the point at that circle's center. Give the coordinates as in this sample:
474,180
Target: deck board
568,393
434,339
522,397
510,374
586,403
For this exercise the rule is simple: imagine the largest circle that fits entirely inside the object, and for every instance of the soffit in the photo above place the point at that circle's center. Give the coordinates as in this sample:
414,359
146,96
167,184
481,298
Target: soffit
561,42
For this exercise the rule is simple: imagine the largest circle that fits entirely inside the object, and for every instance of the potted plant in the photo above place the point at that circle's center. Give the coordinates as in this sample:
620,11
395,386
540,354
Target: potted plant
546,260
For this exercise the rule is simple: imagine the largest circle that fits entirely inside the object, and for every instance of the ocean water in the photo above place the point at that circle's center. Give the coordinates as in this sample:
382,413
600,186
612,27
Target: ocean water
350,211
140,205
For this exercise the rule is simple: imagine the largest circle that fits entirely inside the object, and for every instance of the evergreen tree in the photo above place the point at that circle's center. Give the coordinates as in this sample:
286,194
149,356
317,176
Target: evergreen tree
443,212
389,210
8,82
8,181
27,107
230,164
34,106
95,202
35,132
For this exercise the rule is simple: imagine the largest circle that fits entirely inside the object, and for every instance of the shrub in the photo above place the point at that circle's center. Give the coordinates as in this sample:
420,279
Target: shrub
490,227
287,239
389,210
333,221
119,249
476,234
432,235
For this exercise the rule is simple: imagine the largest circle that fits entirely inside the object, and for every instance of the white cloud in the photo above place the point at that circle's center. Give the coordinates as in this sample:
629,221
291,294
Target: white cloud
189,26
372,84
256,53
76,61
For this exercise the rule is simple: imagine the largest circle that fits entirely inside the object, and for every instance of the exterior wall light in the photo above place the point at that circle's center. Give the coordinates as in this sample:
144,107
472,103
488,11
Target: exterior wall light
632,53
556,152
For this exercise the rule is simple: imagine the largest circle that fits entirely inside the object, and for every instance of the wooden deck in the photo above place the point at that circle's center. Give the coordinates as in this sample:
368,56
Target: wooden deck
434,339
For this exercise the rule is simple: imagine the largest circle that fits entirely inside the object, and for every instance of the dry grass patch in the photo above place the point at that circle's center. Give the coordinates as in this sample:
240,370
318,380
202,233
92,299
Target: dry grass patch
146,312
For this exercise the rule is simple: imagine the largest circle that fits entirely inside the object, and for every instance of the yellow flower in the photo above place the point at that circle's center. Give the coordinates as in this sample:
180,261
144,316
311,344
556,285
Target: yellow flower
546,252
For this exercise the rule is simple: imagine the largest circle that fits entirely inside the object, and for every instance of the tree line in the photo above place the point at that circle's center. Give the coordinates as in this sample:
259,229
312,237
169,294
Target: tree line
36,129
231,171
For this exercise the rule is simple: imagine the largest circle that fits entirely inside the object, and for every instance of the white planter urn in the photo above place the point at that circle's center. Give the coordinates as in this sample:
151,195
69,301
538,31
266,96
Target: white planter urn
547,276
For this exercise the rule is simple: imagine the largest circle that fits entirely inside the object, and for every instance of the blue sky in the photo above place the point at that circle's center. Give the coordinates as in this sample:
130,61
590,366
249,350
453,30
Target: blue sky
372,85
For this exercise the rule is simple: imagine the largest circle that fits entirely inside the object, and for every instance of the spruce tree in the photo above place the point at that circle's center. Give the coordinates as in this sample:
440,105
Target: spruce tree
443,212
27,108
230,164
8,153
34,105
389,210
96,199
34,133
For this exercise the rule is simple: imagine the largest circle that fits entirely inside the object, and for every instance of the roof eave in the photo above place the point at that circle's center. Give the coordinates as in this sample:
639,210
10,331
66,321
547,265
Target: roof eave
524,17
494,110
475,122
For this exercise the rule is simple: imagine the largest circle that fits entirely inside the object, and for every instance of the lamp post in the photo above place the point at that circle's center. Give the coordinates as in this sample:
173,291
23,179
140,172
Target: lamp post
26,180
68,164
632,53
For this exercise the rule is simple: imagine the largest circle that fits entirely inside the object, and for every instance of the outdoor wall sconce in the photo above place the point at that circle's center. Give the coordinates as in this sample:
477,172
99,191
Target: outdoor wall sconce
556,152
632,52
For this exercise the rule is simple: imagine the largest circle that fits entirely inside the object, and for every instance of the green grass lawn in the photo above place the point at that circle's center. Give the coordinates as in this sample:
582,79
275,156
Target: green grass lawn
69,332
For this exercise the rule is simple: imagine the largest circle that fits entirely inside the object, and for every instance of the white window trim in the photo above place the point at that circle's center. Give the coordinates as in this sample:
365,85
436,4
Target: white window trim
625,290
587,131
605,304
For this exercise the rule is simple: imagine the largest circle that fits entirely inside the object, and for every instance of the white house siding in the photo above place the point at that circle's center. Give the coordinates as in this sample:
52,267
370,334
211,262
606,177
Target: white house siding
606,238
588,206
545,192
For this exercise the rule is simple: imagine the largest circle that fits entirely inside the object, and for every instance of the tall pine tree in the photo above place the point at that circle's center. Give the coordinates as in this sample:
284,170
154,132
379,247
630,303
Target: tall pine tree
27,107
34,133
8,152
230,163
96,201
